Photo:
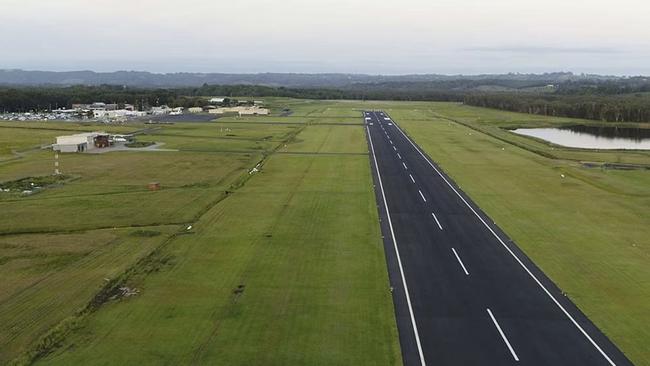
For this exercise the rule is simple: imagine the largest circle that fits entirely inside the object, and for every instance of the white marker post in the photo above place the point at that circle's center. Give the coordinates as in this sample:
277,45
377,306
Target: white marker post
56,164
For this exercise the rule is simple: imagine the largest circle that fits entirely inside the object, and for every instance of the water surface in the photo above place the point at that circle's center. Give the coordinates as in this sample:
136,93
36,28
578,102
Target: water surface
592,137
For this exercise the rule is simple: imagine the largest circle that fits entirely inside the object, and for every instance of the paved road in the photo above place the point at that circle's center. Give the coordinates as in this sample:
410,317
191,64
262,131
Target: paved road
464,293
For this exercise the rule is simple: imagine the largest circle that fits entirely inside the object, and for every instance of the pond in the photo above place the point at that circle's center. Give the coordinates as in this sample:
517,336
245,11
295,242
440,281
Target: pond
592,137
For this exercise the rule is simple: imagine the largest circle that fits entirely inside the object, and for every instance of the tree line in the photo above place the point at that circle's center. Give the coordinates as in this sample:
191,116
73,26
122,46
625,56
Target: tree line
597,100
609,108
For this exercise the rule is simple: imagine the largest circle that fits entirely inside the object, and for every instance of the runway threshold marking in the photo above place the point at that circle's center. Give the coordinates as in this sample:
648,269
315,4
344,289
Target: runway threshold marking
460,261
421,195
399,259
436,218
530,273
503,336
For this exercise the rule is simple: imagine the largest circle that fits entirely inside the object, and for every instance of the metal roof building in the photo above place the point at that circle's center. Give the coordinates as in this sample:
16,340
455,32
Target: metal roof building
81,142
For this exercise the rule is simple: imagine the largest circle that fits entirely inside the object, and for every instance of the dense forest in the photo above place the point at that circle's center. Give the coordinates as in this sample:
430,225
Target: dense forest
614,100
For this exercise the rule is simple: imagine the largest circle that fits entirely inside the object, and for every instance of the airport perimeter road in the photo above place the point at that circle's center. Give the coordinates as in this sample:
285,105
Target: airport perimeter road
464,293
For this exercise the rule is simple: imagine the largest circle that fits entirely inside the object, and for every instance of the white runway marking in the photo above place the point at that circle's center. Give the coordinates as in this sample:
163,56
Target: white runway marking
421,195
399,259
503,335
437,222
399,156
405,167
539,283
459,261
412,179
394,148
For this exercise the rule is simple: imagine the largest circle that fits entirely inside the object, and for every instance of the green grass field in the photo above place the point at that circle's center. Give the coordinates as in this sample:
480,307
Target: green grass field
286,265
301,236
48,277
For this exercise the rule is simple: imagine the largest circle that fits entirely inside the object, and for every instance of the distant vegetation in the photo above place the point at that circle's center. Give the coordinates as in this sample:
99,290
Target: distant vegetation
610,108
293,80
609,99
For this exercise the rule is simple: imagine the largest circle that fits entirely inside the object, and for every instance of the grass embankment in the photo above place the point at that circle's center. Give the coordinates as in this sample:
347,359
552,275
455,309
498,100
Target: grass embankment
588,231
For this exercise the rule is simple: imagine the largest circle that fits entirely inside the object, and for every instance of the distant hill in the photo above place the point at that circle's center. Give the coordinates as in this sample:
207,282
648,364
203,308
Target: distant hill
173,80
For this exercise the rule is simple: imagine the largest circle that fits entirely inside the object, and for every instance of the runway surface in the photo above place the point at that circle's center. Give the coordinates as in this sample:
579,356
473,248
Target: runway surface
464,293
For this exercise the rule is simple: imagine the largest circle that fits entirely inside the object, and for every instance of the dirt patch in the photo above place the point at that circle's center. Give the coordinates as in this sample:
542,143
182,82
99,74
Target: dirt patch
31,185
145,233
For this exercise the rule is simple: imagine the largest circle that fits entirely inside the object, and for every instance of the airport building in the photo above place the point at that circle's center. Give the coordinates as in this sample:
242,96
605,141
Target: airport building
242,111
82,142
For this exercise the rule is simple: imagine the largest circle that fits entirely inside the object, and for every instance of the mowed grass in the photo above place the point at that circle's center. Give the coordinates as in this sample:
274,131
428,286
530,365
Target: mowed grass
110,190
53,258
46,278
330,139
288,270
13,140
588,231
230,130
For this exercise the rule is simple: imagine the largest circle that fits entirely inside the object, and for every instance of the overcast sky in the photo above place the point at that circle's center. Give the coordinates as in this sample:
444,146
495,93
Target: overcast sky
359,36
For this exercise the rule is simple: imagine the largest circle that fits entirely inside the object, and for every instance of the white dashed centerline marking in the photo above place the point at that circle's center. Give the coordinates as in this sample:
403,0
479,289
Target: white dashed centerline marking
459,261
437,222
421,195
503,335
399,156
412,179
399,259
405,167
394,148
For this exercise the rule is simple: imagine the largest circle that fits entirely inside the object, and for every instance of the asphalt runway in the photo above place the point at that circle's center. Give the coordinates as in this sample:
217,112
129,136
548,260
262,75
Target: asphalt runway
464,293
